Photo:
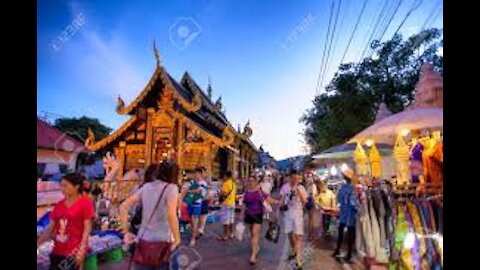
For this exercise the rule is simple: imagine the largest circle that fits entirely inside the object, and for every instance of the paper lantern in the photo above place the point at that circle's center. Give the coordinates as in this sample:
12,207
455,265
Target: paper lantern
375,162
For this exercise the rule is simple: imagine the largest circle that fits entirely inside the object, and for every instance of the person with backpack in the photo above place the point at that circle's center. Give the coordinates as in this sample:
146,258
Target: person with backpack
227,199
293,199
193,193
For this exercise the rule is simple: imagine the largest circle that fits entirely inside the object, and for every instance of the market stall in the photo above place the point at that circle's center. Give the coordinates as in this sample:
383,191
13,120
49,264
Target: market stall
400,219
105,243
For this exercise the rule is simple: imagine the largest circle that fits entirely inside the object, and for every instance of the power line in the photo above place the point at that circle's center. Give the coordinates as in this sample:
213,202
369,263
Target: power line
436,16
434,10
373,31
384,19
354,30
331,41
412,9
324,49
390,20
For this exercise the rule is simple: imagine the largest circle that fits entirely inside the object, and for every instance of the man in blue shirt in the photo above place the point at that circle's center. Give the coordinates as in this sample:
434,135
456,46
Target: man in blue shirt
347,199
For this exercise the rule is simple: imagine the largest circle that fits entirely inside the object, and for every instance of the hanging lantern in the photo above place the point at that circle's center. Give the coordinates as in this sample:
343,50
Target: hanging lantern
401,152
375,162
361,160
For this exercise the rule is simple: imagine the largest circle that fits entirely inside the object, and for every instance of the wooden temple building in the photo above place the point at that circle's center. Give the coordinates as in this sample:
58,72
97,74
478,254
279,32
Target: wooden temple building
178,121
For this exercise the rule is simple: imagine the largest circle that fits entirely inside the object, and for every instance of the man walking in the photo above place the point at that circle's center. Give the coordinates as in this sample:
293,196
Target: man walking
227,199
293,199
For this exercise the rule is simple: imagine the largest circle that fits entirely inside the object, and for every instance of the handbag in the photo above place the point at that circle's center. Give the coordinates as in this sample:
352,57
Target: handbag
239,230
150,253
310,204
273,232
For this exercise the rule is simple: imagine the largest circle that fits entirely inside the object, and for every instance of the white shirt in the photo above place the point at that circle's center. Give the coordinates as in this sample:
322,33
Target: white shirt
295,205
266,187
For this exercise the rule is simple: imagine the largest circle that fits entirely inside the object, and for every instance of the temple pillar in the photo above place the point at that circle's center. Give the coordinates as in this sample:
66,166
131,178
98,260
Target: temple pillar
120,154
149,136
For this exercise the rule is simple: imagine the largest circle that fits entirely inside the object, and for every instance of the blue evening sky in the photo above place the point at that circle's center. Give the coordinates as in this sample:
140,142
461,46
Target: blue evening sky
263,56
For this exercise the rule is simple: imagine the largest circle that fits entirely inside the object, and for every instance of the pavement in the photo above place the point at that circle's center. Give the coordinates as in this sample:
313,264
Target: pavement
212,254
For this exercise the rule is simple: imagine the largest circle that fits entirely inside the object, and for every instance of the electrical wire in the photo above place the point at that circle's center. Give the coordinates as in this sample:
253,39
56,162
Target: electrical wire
390,20
331,42
373,31
354,30
412,9
317,90
430,15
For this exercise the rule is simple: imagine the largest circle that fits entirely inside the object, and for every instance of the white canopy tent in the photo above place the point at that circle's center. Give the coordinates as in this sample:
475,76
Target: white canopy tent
386,130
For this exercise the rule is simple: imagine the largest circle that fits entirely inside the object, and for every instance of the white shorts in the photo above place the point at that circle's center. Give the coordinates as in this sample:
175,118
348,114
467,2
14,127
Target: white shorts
293,223
227,215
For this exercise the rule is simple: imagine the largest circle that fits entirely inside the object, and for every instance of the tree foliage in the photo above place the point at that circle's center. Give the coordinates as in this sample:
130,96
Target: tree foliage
350,102
78,128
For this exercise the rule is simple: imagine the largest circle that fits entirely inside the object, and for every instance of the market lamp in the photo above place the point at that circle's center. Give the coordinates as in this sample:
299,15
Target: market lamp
404,132
369,142
333,171
361,160
401,152
375,161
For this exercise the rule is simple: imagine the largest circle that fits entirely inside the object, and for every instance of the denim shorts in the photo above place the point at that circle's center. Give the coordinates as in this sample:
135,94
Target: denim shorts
195,210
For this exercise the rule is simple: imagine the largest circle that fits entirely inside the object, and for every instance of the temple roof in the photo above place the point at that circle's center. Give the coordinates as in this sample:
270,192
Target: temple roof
110,138
189,100
192,85
49,137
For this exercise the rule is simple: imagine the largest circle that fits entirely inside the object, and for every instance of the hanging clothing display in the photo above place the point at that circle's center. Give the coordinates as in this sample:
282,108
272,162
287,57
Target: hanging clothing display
397,230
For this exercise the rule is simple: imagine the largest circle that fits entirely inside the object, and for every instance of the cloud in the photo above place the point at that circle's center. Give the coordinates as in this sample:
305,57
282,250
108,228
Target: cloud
107,68
100,62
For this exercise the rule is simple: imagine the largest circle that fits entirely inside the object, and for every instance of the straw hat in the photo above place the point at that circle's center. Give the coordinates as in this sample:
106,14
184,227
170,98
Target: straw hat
350,174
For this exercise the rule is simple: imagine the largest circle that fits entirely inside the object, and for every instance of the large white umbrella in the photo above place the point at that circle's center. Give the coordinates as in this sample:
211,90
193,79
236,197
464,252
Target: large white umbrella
387,129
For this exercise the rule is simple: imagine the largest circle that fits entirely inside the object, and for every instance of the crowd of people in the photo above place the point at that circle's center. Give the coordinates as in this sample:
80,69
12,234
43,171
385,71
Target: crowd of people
152,216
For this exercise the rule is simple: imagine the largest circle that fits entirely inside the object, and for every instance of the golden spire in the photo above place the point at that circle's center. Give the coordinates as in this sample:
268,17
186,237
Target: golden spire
157,55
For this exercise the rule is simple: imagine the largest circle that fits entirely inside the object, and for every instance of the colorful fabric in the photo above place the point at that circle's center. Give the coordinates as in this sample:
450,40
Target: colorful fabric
414,258
419,231
363,243
433,164
404,259
431,252
417,152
